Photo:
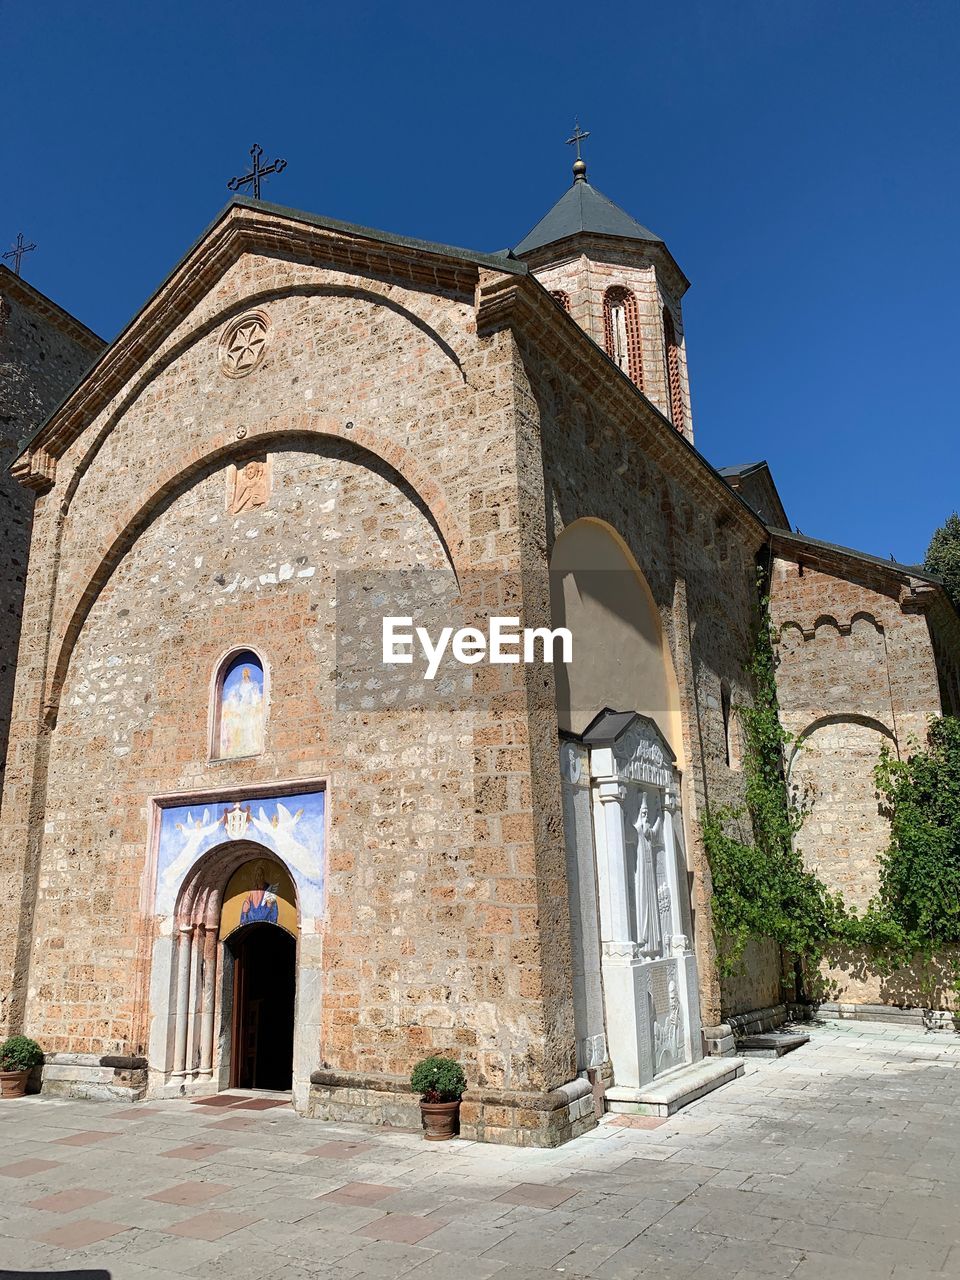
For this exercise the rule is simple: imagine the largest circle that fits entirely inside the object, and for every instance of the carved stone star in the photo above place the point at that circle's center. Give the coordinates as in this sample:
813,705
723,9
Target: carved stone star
246,347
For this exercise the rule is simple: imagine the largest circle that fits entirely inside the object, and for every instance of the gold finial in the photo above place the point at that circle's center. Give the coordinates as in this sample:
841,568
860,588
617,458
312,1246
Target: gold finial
579,165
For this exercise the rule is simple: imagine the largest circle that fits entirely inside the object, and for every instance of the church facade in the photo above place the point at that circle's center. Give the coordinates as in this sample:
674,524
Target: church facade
247,853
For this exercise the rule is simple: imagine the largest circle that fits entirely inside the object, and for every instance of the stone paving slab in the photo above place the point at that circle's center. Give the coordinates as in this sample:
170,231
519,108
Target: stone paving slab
841,1159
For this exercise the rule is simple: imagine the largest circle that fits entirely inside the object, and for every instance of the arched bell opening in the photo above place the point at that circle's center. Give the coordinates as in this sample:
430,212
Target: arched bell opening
234,896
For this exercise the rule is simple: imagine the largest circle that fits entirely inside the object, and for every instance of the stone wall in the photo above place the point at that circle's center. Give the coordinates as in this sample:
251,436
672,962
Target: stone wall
756,983
857,671
391,432
43,352
695,546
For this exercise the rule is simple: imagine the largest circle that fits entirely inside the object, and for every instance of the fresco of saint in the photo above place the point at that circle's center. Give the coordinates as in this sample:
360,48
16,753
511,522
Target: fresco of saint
241,708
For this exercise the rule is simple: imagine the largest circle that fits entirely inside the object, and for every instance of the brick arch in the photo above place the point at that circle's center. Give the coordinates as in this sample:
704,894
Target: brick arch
190,466
826,620
840,717
619,294
863,616
223,316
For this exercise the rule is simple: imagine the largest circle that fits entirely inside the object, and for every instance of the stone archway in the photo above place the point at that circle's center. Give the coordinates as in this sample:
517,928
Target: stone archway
198,1021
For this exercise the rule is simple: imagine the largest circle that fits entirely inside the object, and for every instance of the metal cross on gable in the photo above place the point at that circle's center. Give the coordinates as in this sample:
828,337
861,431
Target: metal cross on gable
578,137
257,173
17,252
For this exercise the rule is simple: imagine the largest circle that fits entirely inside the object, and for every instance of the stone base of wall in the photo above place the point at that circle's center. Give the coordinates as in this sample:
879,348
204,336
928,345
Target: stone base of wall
909,1016
88,1075
486,1115
718,1041
529,1119
366,1099
755,1021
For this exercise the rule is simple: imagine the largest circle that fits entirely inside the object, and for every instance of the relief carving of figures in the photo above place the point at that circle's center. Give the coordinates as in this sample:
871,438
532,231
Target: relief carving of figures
248,485
668,1034
649,829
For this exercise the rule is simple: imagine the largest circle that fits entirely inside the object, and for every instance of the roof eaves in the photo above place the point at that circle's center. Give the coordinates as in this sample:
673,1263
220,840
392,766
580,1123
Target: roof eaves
893,566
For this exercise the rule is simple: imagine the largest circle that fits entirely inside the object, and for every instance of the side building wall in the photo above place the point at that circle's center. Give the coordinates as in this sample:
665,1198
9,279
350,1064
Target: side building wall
857,672
43,352
696,550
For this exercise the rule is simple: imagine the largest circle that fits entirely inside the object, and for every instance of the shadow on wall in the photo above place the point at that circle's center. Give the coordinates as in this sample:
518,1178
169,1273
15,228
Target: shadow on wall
924,984
756,984
620,655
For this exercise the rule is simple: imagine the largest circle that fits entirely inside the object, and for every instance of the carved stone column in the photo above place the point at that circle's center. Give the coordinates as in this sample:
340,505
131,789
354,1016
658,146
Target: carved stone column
182,961
612,868
193,1007
208,1000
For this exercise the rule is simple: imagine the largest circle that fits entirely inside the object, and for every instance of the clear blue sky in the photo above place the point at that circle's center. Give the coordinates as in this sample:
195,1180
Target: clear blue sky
800,159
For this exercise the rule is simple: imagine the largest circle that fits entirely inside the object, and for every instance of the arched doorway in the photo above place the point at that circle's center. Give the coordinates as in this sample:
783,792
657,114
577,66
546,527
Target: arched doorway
233,977
635,986
264,988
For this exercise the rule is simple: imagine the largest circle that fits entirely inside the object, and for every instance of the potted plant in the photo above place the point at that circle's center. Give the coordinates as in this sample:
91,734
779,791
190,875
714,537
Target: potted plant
440,1083
18,1056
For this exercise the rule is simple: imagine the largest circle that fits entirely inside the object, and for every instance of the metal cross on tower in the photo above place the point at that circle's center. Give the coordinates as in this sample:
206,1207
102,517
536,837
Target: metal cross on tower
257,172
17,252
578,137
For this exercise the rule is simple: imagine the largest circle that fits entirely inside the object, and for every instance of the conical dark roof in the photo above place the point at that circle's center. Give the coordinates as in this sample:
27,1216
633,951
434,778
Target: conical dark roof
583,208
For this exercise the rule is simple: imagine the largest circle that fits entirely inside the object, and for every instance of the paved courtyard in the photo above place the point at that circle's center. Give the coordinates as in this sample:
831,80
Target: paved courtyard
839,1160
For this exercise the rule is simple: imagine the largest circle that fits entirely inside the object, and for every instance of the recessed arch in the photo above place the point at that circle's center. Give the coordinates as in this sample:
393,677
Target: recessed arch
396,464
831,772
867,722
223,316
198,1004
621,657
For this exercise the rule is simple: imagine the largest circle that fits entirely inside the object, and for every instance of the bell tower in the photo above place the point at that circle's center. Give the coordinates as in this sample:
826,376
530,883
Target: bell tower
621,284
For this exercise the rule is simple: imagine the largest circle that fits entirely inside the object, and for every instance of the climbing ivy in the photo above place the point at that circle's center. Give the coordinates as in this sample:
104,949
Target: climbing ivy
916,912
761,888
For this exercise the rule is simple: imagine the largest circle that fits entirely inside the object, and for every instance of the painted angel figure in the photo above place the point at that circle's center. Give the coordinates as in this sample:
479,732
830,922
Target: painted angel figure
194,835
647,827
280,831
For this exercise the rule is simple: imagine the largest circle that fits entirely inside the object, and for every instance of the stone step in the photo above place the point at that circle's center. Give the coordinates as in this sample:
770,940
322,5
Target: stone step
771,1044
669,1093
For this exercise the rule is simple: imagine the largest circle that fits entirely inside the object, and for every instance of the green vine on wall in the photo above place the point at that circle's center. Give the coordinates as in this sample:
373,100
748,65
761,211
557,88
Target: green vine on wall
916,912
761,888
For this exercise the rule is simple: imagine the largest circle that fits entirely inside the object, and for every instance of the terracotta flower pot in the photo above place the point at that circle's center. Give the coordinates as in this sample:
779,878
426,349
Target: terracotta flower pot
441,1120
13,1084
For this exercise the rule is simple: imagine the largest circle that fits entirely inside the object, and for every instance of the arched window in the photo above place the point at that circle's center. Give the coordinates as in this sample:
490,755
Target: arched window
673,370
562,297
240,707
621,332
